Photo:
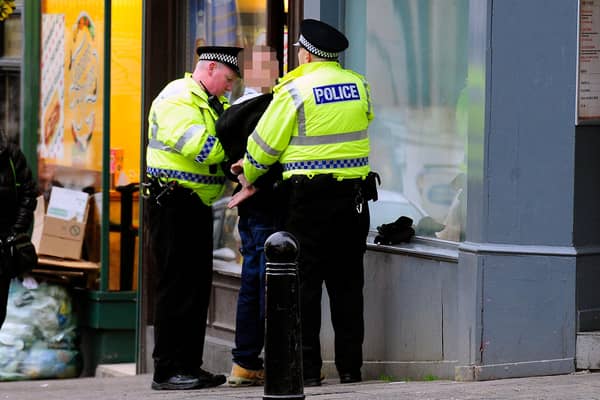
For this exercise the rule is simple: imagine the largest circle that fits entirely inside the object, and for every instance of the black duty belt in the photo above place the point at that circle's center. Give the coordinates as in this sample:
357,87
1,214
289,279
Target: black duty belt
324,185
163,191
327,184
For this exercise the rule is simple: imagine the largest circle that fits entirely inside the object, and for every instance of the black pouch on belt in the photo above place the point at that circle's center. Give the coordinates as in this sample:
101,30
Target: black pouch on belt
369,186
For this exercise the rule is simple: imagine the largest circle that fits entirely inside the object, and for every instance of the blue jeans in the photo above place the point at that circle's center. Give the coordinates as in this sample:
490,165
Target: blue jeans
250,318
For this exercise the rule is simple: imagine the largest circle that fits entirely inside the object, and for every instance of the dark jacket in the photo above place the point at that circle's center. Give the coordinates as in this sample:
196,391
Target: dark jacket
18,190
233,128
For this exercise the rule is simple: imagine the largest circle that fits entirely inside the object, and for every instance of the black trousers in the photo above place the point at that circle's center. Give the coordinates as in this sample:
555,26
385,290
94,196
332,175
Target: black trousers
181,233
323,216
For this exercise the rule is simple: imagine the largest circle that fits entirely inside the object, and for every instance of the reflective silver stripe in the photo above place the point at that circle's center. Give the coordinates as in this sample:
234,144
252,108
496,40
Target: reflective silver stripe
368,96
154,126
157,144
263,146
328,139
188,135
295,94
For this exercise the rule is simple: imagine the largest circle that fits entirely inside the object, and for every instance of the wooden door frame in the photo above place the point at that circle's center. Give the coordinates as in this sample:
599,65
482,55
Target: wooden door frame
164,58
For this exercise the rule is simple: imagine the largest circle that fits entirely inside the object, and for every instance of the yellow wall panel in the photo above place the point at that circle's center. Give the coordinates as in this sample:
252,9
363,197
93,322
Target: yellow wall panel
126,83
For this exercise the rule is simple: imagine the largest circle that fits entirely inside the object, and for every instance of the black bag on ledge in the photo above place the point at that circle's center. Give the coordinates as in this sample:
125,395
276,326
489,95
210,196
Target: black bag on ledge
17,255
399,231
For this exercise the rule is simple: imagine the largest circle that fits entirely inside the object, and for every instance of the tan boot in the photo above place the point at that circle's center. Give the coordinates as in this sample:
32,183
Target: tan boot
241,376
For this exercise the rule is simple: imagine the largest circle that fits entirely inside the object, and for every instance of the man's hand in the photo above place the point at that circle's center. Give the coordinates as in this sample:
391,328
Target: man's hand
242,195
237,167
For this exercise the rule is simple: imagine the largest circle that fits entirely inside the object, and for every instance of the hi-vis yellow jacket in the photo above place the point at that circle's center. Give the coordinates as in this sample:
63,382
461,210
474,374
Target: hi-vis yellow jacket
182,145
316,124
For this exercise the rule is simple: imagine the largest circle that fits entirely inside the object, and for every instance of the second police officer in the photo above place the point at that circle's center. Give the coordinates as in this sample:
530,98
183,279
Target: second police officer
316,127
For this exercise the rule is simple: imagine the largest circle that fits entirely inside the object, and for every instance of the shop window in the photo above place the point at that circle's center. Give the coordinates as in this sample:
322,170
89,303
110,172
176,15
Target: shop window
71,94
414,55
71,142
10,100
240,23
70,139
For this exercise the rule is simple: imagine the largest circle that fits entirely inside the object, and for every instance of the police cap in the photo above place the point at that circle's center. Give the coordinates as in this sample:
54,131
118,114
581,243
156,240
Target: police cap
321,39
227,55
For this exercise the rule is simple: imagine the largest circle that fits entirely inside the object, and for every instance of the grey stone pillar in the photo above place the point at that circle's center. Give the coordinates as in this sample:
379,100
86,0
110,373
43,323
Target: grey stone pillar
518,267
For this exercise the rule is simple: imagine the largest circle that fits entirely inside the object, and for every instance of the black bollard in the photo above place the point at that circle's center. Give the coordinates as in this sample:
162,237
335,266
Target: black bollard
283,345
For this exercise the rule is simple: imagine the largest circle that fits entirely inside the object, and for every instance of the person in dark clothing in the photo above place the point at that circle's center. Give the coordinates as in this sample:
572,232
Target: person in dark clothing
259,217
18,194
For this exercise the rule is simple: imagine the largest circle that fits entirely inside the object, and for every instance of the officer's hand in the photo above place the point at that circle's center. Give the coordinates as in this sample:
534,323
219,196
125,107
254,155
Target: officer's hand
241,196
237,167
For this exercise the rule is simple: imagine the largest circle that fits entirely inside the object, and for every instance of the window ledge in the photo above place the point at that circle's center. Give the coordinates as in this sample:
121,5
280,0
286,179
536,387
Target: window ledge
423,247
419,246
227,268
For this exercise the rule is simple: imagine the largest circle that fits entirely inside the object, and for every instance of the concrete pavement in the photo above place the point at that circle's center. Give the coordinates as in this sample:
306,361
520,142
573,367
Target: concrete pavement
582,385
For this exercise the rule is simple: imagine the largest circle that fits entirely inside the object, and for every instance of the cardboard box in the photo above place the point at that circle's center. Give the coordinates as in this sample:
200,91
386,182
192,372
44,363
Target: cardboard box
54,235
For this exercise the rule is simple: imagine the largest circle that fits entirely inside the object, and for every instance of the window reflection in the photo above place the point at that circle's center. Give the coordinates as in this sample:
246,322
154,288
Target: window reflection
10,95
414,54
240,23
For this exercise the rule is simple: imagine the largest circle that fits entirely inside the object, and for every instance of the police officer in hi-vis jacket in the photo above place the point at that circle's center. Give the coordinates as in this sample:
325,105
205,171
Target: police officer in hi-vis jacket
316,127
184,180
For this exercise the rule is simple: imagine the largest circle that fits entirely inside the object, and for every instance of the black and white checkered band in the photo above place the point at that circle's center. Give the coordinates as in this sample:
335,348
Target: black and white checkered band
224,58
312,49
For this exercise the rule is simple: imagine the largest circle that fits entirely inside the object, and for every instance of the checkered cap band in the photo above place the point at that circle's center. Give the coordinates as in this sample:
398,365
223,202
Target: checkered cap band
185,176
224,58
312,49
327,164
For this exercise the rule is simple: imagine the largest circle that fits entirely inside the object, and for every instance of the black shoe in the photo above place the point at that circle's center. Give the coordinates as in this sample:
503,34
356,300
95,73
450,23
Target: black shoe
176,382
350,377
308,382
208,380
314,380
